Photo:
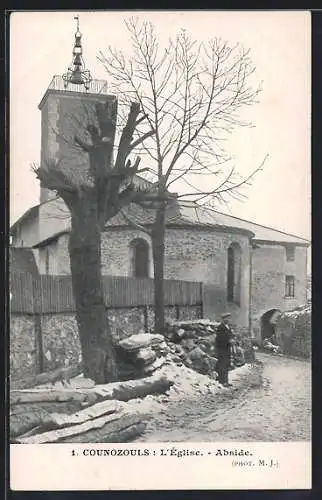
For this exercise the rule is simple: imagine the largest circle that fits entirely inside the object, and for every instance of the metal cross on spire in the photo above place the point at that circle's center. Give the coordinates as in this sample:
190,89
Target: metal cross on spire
77,74
77,19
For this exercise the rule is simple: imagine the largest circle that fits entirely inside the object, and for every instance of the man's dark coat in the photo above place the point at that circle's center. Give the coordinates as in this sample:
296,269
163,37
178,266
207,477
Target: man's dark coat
224,335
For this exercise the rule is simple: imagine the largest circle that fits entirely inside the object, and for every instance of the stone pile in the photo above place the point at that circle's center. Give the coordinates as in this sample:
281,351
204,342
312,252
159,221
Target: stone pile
193,344
189,343
195,329
140,355
293,331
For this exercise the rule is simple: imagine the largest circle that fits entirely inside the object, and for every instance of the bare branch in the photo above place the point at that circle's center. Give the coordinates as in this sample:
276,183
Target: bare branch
82,144
136,143
54,178
226,186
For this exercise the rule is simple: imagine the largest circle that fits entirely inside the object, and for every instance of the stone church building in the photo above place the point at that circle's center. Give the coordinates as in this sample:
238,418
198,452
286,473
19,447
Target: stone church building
250,270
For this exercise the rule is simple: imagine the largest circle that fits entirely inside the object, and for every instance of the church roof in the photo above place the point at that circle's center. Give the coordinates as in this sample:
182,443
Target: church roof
262,233
185,213
175,216
192,214
31,213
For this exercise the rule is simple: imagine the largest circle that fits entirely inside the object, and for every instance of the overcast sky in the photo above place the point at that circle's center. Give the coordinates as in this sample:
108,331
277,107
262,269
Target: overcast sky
41,46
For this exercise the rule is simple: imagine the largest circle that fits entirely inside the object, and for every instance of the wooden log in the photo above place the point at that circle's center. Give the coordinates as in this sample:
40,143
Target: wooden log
121,436
31,432
24,421
105,425
58,420
25,424
61,395
122,391
68,407
117,436
24,417
133,389
47,377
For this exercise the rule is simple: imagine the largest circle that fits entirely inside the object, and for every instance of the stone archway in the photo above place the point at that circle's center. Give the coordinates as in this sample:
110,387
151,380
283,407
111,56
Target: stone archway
268,321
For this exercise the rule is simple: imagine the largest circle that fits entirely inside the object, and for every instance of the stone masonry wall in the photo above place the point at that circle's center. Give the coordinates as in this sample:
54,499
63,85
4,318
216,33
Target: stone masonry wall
202,255
117,251
269,268
60,341
58,344
293,332
190,255
24,346
196,254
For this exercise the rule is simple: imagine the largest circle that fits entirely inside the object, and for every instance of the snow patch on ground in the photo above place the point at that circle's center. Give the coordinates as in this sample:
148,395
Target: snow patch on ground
187,384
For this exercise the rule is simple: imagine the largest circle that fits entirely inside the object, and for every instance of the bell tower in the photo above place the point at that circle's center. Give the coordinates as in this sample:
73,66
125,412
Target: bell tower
67,108
77,74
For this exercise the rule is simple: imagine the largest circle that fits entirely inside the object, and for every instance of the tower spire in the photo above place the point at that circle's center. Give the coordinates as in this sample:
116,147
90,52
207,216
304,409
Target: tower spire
77,74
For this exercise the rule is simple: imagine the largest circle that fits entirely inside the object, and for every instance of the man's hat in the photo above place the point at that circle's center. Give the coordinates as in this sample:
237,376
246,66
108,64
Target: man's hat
225,315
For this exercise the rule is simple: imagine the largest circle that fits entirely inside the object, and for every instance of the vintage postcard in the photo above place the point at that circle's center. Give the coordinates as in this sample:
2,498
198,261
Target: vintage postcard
160,273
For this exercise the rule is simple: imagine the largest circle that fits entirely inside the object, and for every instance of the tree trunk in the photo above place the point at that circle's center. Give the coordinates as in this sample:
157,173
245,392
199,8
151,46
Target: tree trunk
158,236
94,331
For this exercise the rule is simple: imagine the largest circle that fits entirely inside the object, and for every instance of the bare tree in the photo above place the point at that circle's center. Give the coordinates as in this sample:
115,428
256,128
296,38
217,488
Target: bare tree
192,93
93,196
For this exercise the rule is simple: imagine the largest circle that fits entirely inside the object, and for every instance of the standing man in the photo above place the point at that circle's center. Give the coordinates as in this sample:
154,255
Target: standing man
223,342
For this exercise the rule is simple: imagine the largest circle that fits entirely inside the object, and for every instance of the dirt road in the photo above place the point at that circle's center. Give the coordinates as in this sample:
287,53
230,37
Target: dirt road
272,404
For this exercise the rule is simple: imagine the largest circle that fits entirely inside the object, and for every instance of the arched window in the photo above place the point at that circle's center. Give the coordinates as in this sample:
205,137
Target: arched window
234,273
140,262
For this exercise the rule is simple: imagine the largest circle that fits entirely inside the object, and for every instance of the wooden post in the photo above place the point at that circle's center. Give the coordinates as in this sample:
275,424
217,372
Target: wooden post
201,301
39,344
38,311
145,314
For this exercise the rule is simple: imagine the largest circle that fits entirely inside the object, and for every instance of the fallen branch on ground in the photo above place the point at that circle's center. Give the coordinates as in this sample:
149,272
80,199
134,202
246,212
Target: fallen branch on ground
47,377
122,391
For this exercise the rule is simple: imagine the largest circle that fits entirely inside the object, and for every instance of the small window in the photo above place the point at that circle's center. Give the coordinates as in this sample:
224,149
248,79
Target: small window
234,273
289,286
140,258
290,252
